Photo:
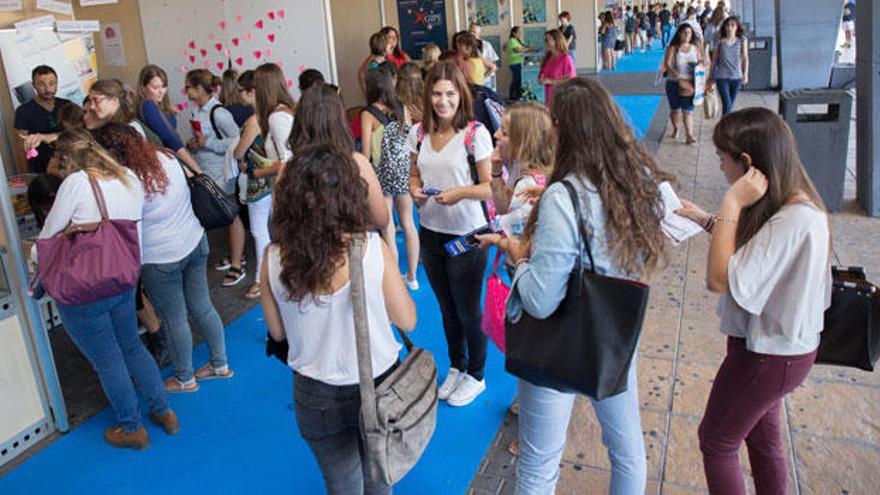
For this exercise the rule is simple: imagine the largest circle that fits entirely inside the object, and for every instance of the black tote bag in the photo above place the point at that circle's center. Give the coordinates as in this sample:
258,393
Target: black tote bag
586,346
851,336
213,207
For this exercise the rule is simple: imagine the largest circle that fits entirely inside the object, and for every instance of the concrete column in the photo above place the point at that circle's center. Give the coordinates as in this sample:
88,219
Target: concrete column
806,35
868,107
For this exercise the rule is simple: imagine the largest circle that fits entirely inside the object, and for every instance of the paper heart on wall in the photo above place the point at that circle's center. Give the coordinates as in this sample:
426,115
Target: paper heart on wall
220,65
281,13
238,18
234,41
222,25
192,59
239,61
267,52
271,15
302,68
183,69
206,64
258,54
183,53
271,38
192,45
259,24
211,37
289,83
218,46
203,52
226,53
248,36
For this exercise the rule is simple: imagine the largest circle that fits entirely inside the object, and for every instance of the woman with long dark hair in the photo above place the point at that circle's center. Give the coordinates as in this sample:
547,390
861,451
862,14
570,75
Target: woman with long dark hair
174,257
556,66
730,62
681,58
769,259
320,202
616,184
395,54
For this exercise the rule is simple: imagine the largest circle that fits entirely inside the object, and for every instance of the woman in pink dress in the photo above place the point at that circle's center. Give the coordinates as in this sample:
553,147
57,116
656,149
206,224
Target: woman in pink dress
557,66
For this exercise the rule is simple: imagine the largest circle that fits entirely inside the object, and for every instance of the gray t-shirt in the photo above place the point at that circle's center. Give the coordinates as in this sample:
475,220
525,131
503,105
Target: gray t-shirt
780,284
728,65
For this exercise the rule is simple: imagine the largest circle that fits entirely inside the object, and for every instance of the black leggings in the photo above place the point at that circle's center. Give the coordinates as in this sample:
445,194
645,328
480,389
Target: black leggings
458,283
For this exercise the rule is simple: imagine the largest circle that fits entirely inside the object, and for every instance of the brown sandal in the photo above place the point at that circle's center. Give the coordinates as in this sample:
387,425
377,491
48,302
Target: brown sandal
253,293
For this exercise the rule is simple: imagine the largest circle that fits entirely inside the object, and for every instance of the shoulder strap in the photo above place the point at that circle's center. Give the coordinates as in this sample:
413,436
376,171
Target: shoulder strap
362,333
470,133
213,122
375,112
582,230
99,197
420,134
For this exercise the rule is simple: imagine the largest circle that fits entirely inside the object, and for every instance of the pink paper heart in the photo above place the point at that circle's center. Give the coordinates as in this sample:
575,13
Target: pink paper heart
183,53
248,36
192,59
271,15
239,61
259,24
280,64
271,38
211,37
179,107
183,69
258,54
235,41
220,65
267,52
289,83
192,45
226,53
222,25
238,18
302,68
203,52
218,46
281,13
206,64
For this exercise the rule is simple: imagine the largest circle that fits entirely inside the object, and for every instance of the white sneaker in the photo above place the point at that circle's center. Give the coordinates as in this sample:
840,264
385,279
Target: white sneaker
468,389
453,377
411,284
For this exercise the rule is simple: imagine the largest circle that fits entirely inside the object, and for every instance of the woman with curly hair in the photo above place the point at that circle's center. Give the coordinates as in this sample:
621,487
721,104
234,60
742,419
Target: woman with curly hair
603,168
175,256
319,203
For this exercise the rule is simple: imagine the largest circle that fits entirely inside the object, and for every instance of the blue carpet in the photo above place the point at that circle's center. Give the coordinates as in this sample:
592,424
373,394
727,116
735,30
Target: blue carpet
649,61
240,435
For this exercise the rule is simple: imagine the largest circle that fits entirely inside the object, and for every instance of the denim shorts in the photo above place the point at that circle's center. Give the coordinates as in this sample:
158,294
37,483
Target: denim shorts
678,103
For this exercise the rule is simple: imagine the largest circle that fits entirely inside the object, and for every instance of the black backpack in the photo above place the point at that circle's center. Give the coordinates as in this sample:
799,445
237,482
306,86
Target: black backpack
630,25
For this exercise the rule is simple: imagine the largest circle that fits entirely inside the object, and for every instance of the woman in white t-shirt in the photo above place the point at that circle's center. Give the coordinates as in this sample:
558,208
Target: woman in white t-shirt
320,202
106,330
769,260
175,257
441,146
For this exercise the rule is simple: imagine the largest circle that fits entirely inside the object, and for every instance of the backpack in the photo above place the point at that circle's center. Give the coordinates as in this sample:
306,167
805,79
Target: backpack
469,136
630,24
488,108
643,22
394,149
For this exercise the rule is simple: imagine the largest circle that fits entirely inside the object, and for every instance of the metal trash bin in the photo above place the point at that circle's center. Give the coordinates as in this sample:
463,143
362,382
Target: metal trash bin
820,121
760,63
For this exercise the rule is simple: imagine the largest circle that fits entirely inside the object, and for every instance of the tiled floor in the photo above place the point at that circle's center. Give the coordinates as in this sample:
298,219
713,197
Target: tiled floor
832,427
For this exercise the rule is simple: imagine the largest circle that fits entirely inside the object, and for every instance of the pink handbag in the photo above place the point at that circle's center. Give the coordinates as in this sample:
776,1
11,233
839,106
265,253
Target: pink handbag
89,262
495,305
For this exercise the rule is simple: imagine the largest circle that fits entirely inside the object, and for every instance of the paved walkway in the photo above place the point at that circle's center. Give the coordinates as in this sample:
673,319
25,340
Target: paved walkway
832,429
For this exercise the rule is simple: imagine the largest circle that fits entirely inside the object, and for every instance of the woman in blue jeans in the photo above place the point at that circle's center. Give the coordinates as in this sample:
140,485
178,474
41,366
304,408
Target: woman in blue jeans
616,181
730,62
105,331
175,257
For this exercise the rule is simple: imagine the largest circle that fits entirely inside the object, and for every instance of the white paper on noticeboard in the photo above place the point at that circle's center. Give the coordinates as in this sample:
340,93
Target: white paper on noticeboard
10,5
89,3
77,26
58,7
111,43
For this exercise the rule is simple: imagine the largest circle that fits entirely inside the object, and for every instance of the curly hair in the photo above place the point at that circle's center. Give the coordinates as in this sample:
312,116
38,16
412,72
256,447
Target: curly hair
134,152
595,142
319,201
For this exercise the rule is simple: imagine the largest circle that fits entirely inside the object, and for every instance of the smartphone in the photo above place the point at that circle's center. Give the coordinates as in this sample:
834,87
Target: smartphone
467,242
431,191
196,126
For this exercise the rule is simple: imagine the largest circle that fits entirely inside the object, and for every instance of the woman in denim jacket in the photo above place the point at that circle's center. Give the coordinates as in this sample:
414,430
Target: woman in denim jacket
616,182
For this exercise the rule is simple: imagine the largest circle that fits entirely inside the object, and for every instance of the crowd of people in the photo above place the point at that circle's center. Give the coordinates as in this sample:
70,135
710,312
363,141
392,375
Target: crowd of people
312,178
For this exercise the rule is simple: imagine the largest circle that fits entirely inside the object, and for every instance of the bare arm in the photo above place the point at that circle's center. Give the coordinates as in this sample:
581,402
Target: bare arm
489,67
398,303
367,134
711,78
270,306
188,159
415,182
745,60
669,62
375,197
249,132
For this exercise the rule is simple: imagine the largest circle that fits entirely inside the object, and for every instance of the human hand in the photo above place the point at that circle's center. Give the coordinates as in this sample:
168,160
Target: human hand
748,189
31,141
418,195
693,212
487,240
745,80
200,141
449,196
515,248
531,194
191,143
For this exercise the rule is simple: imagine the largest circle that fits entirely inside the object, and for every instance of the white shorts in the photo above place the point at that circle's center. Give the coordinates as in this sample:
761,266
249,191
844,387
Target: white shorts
849,26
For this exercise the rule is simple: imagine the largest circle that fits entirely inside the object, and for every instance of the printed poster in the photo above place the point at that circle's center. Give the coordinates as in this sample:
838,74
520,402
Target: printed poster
534,11
111,44
10,5
534,38
532,89
484,12
422,22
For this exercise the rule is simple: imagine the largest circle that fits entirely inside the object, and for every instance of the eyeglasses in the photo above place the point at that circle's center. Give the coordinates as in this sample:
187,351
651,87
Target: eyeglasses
96,99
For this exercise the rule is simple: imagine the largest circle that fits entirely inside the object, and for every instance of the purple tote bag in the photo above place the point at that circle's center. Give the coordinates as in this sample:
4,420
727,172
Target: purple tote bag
88,262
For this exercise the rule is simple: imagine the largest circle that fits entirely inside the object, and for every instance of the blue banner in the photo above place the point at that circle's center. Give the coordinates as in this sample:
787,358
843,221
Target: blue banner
422,22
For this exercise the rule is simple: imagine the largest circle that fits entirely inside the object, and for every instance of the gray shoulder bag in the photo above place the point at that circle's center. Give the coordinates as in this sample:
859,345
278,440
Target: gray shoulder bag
398,416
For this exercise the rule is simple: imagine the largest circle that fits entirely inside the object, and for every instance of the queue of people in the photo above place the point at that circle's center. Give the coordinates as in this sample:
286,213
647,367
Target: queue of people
550,173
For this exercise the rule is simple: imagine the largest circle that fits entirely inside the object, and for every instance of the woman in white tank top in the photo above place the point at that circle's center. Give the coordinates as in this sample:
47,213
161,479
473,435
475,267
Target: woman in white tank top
306,300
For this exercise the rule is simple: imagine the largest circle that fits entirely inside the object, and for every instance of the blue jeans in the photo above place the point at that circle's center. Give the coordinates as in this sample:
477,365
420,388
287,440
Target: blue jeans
666,35
727,90
105,332
543,421
573,54
181,288
678,103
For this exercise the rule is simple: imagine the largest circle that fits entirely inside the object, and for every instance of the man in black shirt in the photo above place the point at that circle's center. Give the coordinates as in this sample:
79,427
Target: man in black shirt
665,27
36,121
570,36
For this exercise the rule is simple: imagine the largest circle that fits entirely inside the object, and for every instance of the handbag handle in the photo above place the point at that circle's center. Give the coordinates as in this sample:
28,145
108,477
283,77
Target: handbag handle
362,333
99,197
582,231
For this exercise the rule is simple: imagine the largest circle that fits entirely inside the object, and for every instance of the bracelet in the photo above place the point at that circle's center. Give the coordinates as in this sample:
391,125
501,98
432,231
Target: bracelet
499,175
710,222
726,219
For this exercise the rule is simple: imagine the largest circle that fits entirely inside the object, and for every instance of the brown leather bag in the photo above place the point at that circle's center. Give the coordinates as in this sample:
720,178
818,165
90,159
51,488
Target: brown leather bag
686,88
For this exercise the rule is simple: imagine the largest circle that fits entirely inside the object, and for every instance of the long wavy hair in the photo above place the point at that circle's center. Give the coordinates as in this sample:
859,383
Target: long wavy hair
769,143
147,74
270,91
410,88
319,201
596,143
132,150
320,118
558,40
77,150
